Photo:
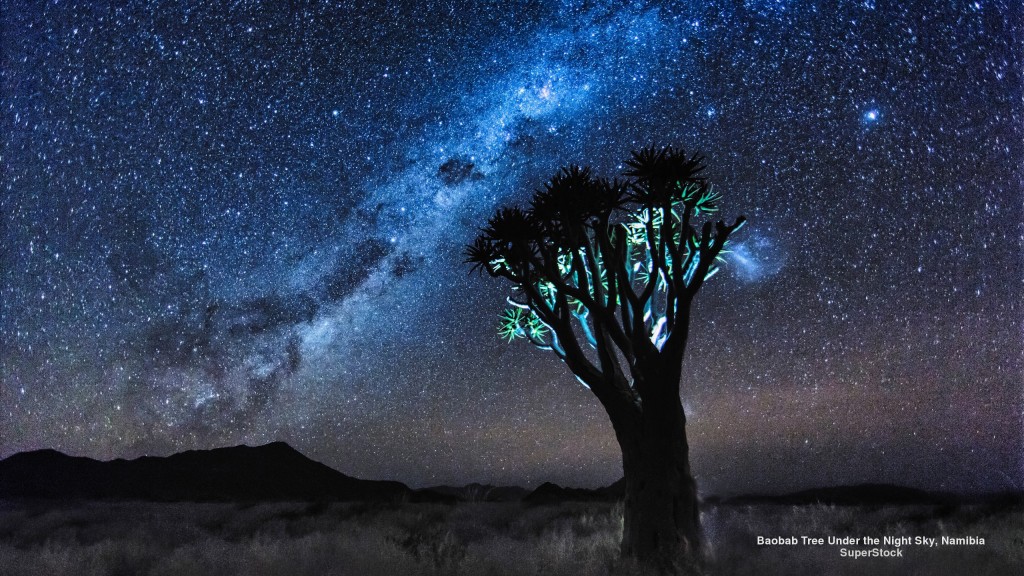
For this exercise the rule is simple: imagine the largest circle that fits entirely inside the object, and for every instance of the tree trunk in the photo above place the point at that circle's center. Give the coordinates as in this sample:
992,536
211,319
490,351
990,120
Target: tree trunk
661,522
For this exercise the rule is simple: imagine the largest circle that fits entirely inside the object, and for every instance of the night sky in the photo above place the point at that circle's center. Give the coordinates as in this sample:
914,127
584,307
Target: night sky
241,222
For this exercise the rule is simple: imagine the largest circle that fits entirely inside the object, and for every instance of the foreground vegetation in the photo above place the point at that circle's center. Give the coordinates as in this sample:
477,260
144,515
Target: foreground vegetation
472,538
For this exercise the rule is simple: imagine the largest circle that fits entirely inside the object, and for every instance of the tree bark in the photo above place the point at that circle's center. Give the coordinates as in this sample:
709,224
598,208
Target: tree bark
661,519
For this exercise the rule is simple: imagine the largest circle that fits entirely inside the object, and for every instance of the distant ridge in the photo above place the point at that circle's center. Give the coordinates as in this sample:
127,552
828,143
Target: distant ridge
278,472
857,495
273,472
549,493
481,492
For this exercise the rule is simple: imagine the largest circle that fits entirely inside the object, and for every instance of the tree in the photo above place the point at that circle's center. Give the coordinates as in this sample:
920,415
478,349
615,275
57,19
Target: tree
605,273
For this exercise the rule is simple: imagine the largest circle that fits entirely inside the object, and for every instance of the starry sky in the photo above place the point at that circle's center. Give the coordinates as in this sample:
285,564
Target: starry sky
239,222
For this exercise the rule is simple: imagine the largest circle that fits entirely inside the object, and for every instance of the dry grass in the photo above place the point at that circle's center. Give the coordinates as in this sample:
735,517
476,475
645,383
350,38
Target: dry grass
475,538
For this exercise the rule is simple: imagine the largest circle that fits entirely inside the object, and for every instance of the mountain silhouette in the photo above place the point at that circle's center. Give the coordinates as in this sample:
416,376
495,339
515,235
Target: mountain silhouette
273,472
549,493
278,472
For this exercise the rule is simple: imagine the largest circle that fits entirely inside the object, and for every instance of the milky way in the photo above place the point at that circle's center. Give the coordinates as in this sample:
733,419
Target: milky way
241,223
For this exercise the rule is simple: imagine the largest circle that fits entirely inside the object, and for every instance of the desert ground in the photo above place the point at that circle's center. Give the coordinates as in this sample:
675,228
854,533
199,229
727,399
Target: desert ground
298,539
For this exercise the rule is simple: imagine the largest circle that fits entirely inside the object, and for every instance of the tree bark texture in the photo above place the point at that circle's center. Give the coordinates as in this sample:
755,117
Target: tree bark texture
661,518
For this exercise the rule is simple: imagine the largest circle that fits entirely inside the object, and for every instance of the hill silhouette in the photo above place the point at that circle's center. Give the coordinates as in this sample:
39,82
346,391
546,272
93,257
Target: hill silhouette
549,493
273,472
278,472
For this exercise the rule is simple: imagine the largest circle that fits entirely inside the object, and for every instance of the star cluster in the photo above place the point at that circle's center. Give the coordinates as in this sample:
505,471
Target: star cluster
238,223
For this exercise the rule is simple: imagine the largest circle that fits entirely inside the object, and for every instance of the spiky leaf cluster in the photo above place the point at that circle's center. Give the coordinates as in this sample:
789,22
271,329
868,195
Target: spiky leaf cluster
607,265
519,322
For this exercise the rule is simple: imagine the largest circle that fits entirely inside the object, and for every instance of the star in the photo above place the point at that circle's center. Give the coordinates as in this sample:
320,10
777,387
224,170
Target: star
241,231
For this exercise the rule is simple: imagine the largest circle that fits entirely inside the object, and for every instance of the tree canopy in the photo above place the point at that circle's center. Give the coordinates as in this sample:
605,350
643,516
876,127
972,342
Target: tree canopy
608,265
